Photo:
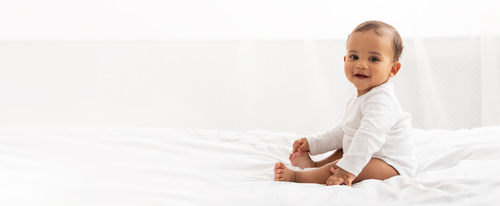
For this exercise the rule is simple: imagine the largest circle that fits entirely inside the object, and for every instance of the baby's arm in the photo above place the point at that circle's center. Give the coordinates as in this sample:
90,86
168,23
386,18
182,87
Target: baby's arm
326,141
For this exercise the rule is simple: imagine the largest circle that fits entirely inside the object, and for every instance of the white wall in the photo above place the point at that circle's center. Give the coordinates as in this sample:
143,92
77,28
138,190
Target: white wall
296,86
273,65
186,84
229,19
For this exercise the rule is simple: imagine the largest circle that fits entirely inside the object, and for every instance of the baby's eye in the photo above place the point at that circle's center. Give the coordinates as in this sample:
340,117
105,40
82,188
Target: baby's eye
353,57
374,59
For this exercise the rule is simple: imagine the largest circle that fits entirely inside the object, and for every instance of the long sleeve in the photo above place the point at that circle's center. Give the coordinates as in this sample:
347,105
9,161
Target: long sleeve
379,115
326,141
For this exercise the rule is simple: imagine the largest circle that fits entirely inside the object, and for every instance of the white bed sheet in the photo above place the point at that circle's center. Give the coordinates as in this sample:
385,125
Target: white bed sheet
138,166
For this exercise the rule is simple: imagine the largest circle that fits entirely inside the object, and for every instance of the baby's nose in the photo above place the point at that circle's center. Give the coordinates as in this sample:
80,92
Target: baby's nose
361,65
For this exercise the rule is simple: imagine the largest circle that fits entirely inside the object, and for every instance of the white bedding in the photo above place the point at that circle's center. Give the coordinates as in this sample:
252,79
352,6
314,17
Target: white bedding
137,166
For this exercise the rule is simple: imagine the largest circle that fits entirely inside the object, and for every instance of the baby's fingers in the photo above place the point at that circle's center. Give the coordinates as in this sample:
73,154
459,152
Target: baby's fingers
303,148
334,180
333,170
330,180
338,181
296,145
348,183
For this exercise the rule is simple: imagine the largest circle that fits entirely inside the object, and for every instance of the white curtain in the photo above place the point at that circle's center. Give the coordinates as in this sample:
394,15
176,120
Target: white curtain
455,77
238,65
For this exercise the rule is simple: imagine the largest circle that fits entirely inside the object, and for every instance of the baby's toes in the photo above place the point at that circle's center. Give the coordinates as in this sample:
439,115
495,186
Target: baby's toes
278,177
276,166
278,172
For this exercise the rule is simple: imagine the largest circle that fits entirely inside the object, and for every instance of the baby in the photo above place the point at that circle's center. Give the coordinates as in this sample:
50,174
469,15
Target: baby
373,139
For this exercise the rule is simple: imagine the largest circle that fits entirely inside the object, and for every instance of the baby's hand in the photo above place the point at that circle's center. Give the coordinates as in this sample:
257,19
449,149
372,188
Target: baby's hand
301,145
340,176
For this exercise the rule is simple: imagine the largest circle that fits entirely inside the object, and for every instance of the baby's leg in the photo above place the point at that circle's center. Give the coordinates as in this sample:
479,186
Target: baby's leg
303,160
334,156
375,169
319,175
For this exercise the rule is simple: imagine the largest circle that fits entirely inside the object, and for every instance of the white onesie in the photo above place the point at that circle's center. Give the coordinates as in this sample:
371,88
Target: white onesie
374,126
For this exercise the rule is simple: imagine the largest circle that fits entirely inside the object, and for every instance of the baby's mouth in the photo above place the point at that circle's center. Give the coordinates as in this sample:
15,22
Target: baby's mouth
361,76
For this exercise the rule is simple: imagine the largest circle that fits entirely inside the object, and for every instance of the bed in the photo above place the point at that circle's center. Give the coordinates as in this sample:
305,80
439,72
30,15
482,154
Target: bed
146,166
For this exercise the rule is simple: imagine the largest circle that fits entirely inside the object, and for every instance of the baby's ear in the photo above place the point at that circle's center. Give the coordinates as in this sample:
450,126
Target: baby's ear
395,68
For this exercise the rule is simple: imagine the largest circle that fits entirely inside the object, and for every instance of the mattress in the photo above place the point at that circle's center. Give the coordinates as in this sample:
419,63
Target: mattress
146,166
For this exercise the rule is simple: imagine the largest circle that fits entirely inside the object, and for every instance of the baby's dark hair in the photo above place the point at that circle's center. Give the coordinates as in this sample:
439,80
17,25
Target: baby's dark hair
377,27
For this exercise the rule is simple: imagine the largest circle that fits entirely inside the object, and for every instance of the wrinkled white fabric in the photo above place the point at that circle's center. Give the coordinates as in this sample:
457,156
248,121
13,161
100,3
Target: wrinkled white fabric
138,166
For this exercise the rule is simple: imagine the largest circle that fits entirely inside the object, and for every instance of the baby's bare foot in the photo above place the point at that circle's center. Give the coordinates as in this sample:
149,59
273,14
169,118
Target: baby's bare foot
282,173
301,159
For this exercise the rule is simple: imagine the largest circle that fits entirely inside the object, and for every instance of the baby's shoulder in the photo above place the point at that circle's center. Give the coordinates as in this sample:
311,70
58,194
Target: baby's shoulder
382,92
382,96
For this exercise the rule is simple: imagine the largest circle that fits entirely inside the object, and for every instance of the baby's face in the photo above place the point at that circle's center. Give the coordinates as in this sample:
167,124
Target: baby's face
369,60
